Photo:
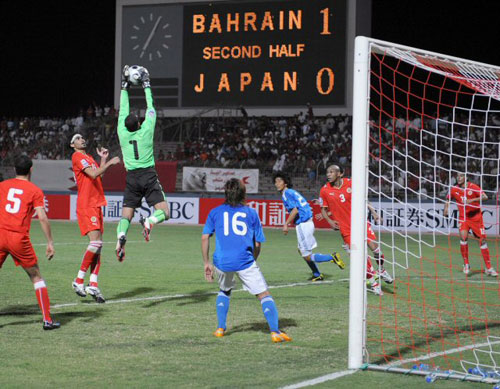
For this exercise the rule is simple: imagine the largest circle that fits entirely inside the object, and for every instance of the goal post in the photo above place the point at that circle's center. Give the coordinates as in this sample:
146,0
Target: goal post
420,120
357,293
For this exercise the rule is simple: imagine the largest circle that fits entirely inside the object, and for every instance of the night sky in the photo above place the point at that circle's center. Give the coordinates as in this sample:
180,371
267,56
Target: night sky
58,57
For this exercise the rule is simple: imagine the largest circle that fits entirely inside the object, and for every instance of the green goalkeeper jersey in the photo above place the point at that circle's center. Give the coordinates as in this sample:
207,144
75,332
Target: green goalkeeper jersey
137,147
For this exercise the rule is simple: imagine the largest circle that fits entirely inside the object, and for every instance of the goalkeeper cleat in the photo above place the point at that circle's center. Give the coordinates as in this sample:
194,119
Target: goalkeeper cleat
337,260
95,292
51,325
376,288
386,277
79,289
318,278
219,332
466,269
120,248
146,227
491,272
278,337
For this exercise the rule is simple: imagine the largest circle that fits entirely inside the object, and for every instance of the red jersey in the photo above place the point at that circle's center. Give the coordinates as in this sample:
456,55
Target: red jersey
18,200
460,195
338,201
90,191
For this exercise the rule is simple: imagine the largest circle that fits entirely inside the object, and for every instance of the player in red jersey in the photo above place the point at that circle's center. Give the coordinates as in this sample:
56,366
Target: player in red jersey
468,197
19,198
335,196
89,212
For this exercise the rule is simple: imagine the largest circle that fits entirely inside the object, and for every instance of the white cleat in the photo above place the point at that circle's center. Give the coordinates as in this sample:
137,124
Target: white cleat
375,288
466,269
491,272
95,292
79,289
386,277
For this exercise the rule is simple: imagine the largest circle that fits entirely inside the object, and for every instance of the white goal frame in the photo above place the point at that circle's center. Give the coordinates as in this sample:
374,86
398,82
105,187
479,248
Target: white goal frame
360,164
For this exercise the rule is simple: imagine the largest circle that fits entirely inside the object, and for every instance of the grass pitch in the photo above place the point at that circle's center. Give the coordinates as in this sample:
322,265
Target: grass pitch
156,328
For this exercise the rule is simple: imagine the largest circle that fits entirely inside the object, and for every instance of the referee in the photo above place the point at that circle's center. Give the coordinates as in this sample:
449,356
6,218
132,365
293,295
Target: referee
136,142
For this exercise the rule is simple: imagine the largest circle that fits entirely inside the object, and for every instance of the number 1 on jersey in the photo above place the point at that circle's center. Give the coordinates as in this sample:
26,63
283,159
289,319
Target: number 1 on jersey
136,149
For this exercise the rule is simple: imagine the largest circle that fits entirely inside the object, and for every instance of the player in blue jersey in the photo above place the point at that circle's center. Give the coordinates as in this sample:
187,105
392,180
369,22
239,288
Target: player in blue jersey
238,237
300,213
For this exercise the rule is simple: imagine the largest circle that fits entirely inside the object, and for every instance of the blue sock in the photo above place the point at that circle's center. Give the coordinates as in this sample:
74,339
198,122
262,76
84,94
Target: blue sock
314,268
270,313
222,304
321,257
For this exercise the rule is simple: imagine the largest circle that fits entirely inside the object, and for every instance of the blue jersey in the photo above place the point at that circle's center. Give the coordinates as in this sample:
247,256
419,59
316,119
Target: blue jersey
236,229
293,199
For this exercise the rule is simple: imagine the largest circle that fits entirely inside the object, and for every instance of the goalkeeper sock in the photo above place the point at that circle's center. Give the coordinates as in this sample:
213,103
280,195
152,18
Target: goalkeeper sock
270,313
485,251
157,217
122,227
321,258
313,267
222,304
464,249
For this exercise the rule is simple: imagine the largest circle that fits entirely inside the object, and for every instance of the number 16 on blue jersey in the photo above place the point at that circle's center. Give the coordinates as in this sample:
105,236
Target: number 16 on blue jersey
236,229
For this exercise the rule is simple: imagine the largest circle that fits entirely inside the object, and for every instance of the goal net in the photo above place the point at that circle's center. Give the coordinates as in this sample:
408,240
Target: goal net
421,121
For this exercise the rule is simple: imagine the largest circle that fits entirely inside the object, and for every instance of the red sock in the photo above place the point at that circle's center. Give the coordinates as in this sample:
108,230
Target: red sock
485,251
94,268
464,249
42,295
369,269
92,254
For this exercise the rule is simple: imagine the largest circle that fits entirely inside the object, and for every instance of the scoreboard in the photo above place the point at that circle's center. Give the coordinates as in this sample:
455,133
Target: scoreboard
265,55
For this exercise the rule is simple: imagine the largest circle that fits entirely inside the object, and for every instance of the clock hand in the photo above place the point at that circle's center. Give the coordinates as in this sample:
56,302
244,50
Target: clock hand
151,34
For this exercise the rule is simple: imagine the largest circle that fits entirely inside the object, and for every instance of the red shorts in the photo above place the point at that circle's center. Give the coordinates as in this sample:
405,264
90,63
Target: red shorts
370,235
18,245
474,224
90,219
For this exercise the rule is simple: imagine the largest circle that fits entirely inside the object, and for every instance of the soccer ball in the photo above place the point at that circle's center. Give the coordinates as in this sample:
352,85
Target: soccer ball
135,74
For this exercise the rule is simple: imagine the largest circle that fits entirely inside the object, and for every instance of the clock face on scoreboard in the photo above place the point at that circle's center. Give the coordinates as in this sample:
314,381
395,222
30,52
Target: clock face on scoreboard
251,53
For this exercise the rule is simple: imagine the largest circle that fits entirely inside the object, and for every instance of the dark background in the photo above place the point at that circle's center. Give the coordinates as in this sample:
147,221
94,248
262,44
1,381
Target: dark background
58,56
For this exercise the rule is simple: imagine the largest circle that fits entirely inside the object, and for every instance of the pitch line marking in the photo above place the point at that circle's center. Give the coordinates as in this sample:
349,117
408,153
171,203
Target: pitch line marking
319,380
176,296
84,243
440,354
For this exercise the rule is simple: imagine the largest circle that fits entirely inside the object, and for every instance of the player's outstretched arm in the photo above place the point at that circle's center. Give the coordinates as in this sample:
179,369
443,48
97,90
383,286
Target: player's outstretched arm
256,250
94,173
446,209
330,221
103,153
205,248
124,102
148,126
483,197
145,80
44,223
290,219
376,218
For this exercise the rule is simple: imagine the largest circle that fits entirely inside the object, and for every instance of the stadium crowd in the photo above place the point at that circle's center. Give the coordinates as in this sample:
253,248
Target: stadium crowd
302,144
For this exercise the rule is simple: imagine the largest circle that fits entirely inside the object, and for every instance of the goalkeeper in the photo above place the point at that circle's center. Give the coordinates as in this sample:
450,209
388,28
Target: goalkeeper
136,142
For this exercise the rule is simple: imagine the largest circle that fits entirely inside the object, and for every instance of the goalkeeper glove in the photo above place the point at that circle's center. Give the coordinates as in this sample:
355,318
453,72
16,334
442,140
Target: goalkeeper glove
125,74
146,83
